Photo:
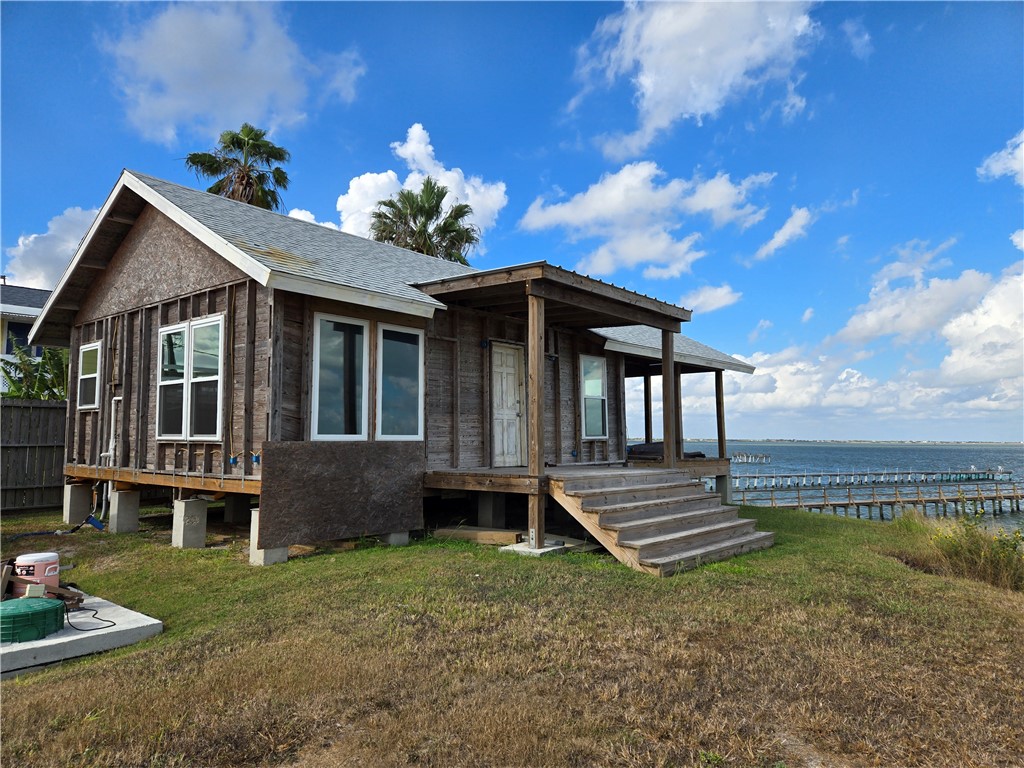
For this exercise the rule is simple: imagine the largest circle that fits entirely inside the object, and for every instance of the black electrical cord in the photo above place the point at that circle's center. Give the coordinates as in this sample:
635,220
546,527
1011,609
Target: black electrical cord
94,612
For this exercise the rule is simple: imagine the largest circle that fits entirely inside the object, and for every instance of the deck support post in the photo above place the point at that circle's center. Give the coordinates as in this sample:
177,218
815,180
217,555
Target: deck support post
535,412
490,509
669,397
124,511
188,530
77,503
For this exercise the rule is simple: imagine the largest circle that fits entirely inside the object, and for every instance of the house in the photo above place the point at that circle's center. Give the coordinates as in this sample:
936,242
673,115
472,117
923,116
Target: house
217,348
19,307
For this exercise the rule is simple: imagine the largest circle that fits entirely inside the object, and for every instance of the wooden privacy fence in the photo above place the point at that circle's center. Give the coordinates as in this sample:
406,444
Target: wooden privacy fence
32,453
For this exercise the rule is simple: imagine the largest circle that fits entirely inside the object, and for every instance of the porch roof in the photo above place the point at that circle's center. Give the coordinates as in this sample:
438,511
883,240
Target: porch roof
641,342
573,301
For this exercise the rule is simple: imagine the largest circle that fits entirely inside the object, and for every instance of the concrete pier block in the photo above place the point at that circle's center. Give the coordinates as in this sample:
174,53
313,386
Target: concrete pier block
77,503
124,512
263,556
236,508
490,510
399,539
189,528
723,484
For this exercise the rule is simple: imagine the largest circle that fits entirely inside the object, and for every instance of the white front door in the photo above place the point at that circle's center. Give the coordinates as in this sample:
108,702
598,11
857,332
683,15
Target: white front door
508,386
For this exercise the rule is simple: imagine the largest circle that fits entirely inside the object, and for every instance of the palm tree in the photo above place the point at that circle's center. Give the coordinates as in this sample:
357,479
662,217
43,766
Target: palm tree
416,221
243,166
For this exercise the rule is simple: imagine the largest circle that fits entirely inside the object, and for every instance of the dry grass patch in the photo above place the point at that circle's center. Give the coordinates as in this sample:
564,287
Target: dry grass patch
821,651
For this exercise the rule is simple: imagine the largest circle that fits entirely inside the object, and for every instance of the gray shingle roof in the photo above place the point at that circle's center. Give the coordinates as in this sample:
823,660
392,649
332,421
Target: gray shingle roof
687,350
300,249
19,296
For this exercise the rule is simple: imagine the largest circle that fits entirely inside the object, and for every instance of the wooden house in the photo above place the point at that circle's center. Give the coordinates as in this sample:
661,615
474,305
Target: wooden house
217,348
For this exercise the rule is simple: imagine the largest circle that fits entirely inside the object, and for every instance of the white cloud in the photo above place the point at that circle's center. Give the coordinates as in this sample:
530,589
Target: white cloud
688,60
762,326
710,297
38,261
794,228
1017,238
1009,161
807,315
858,37
358,203
161,64
304,215
918,309
636,212
986,342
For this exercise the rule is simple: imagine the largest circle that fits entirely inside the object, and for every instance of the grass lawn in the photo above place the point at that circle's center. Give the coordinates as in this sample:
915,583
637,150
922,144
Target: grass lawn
823,651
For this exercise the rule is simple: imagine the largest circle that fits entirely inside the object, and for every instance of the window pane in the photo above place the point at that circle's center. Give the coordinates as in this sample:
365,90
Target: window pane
204,409
593,377
206,350
20,333
594,418
172,356
90,360
87,391
340,379
400,383
171,414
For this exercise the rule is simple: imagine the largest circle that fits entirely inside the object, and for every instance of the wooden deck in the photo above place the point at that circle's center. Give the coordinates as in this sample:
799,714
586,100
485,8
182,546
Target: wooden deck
192,480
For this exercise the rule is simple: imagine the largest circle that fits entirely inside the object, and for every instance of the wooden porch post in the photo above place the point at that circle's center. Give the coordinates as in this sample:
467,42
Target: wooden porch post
648,410
535,412
669,397
679,398
720,411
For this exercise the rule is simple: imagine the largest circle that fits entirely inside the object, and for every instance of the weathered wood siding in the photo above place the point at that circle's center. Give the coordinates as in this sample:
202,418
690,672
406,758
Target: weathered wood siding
160,276
458,391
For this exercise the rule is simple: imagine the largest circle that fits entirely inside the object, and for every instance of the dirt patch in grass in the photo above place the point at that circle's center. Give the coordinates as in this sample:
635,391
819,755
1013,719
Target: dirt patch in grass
822,651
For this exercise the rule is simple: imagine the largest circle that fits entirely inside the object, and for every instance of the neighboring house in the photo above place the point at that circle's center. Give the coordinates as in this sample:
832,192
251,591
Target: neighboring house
221,348
19,308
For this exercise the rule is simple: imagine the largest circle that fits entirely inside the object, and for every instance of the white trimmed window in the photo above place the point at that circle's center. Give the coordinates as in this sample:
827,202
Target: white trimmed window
594,396
399,383
189,381
89,375
340,378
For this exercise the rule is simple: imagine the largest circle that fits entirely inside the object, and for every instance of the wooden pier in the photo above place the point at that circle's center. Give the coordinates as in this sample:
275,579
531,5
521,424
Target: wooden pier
867,478
942,500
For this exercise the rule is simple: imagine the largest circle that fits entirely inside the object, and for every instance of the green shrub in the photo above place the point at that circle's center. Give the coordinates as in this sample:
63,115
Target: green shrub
969,549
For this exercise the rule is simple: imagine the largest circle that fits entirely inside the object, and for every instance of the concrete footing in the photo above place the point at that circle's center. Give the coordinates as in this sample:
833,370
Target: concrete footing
400,539
124,512
551,547
723,484
236,509
77,503
263,556
189,528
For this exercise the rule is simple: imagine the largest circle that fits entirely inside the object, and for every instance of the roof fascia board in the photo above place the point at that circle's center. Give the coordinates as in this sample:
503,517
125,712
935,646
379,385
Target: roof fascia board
640,350
17,309
203,234
360,296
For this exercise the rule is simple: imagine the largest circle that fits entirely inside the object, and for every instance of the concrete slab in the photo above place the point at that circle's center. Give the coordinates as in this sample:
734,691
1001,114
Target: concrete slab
555,547
128,627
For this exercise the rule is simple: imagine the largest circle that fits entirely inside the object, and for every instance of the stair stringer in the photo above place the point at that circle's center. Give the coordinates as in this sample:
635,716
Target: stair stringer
574,506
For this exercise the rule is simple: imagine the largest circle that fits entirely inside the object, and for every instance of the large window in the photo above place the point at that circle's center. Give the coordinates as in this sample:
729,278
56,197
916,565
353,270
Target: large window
594,394
89,375
399,383
188,387
340,378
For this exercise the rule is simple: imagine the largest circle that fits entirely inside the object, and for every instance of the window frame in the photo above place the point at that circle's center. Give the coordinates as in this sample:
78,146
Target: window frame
186,433
314,416
584,397
421,394
98,347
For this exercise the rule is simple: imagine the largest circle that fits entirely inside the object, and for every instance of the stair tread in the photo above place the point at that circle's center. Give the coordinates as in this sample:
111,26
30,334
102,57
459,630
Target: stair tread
627,506
643,487
688,533
643,522
708,549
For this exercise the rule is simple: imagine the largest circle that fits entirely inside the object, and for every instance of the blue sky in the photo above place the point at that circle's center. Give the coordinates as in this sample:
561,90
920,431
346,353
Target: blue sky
835,189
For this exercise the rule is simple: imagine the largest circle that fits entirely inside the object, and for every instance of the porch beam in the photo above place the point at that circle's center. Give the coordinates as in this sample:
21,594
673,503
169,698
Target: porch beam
535,413
669,397
578,297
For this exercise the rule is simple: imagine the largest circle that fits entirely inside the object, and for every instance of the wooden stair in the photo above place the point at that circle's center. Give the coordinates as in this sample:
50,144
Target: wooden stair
659,521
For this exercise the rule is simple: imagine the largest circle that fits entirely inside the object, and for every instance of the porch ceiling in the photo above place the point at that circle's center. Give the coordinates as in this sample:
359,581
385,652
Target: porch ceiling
573,301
